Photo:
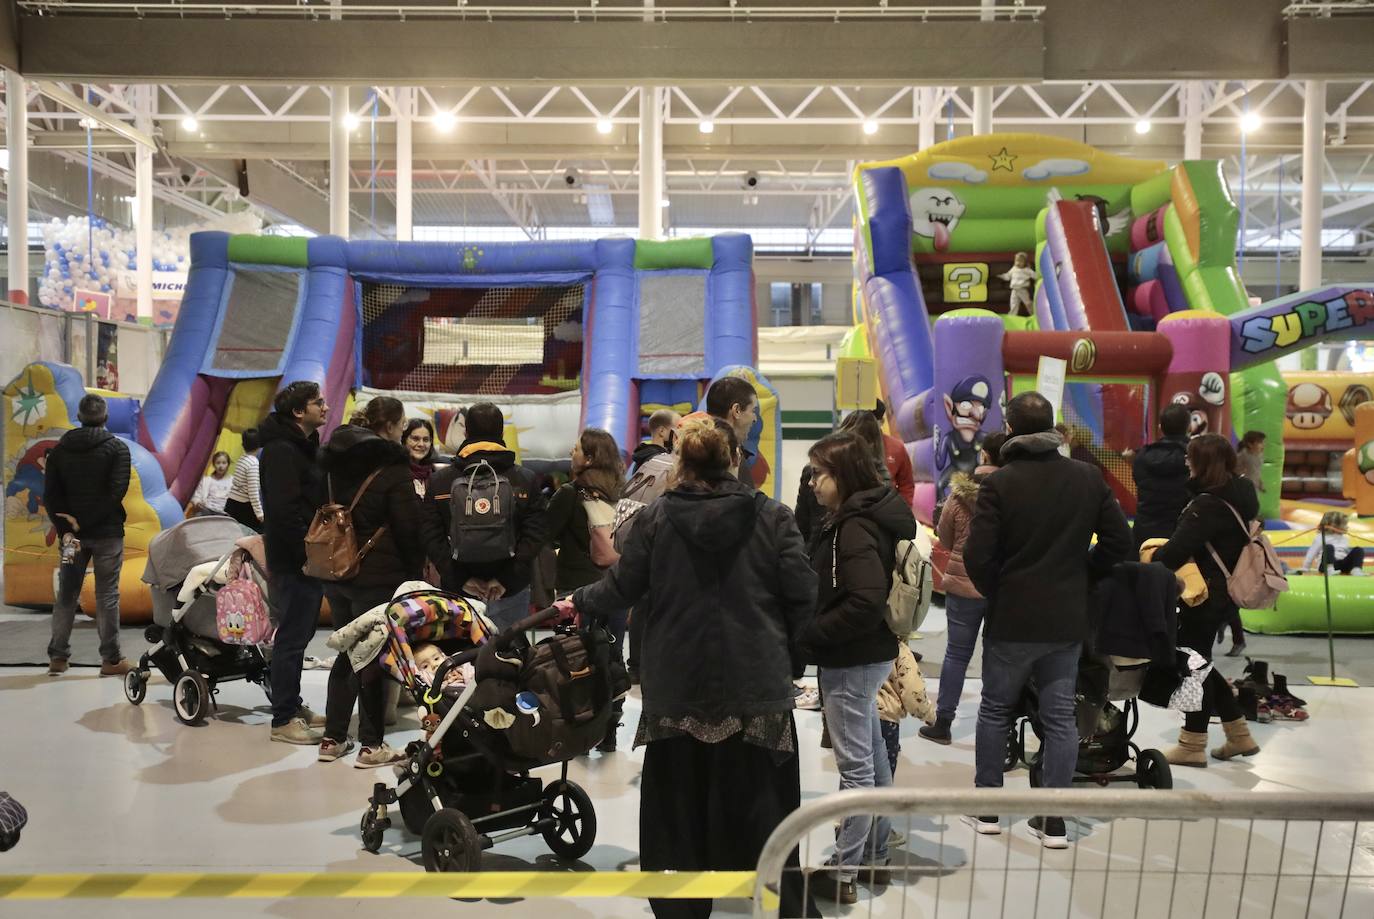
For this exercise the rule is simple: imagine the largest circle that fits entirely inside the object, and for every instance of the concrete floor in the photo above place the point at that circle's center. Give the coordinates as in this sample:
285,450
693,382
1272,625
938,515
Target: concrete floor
113,787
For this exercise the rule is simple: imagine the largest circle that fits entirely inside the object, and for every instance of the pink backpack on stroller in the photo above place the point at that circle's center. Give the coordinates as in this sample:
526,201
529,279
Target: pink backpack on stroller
241,611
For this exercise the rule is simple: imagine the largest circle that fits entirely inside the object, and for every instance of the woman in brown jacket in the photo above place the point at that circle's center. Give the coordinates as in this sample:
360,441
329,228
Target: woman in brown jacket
964,605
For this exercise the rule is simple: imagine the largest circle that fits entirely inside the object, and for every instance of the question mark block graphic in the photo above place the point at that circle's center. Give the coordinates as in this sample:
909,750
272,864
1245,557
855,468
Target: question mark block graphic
966,282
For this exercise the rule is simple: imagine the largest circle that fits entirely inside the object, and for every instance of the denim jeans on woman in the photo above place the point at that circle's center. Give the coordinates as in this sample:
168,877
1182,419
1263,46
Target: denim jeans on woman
849,696
1007,667
965,617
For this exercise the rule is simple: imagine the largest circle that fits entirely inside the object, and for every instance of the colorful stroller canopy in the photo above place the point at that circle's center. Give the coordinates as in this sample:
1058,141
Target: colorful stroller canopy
429,615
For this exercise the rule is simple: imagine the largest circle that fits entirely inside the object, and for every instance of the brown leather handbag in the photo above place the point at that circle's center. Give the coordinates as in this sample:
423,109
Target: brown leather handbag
331,543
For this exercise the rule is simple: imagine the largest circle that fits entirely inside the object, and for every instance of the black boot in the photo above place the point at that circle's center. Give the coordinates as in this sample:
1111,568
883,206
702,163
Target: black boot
1249,702
607,744
1281,689
1257,676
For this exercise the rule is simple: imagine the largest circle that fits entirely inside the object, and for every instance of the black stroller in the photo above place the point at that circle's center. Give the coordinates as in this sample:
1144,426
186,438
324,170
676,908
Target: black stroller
187,565
1105,731
467,785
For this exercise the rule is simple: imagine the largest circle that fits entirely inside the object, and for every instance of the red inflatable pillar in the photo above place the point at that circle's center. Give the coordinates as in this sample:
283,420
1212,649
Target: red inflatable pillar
1199,373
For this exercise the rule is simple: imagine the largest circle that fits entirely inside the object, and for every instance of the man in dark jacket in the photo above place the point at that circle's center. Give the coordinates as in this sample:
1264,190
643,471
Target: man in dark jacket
1030,553
503,585
662,423
1161,477
84,484
733,400
291,493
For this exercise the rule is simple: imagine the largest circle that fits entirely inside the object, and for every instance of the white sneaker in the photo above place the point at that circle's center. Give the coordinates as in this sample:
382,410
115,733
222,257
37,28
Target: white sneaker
808,700
985,825
372,757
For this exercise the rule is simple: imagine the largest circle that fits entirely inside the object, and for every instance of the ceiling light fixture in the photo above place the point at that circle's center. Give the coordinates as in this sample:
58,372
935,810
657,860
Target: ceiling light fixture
350,122
604,126
707,126
1143,126
1250,122
444,122
190,124
870,127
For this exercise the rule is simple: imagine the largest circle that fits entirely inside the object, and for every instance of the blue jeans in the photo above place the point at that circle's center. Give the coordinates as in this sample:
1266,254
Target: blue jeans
108,555
509,610
849,696
965,618
1007,667
296,600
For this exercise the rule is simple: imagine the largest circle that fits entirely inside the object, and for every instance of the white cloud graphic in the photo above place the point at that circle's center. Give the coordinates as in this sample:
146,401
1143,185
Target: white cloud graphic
1049,168
961,172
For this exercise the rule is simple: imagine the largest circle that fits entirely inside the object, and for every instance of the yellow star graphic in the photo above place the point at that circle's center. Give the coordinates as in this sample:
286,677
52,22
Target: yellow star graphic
1002,160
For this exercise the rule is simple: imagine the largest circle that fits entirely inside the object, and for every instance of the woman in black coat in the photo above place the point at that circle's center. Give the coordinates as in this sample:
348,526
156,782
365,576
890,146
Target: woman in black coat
396,554
719,580
1220,497
853,557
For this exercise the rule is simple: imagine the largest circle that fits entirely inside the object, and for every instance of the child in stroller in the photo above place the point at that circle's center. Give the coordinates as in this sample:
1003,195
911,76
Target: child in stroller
187,566
468,785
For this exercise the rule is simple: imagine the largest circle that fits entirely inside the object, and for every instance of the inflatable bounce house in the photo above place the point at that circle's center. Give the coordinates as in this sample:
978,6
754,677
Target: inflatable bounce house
562,335
1132,267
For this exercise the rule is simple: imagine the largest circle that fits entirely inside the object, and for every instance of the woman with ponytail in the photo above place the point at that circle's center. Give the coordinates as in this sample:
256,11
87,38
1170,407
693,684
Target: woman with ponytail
387,516
721,586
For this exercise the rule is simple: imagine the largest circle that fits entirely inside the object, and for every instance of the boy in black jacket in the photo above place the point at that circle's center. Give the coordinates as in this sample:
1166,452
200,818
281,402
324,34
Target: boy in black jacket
291,493
1160,470
1028,552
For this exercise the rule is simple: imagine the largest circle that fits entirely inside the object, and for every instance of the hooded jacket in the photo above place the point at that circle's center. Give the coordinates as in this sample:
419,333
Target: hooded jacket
899,467
853,559
87,476
350,456
1160,470
513,573
1205,520
645,452
722,590
292,490
1029,548
952,531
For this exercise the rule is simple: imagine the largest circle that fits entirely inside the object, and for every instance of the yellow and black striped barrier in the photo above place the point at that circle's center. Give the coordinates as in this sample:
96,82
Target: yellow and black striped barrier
374,884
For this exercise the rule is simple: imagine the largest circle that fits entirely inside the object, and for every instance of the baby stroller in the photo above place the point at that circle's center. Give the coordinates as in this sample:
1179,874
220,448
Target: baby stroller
1105,731
467,785
187,565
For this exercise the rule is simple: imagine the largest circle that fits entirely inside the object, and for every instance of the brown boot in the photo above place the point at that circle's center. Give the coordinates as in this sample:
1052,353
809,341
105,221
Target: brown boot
57,666
1190,751
1238,741
115,668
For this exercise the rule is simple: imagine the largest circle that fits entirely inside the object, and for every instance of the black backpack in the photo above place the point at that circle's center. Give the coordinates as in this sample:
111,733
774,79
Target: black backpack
566,686
482,515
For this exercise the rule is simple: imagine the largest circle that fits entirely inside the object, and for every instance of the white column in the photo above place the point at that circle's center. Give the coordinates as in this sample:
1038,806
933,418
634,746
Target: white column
143,199
1313,174
928,111
338,161
1192,120
982,95
405,190
17,184
650,162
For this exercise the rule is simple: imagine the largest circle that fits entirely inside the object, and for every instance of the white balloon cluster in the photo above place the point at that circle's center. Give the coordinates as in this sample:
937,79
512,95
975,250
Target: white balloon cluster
91,254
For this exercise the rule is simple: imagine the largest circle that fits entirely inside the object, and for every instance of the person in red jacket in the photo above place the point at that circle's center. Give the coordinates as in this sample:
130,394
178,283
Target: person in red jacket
898,460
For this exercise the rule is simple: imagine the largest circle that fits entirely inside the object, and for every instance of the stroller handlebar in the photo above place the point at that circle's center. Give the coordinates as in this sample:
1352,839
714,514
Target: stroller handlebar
501,641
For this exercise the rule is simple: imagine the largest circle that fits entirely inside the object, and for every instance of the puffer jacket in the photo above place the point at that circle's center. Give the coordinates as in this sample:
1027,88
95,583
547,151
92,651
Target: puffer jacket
952,531
351,455
721,590
904,693
87,476
1205,520
292,490
853,559
1160,471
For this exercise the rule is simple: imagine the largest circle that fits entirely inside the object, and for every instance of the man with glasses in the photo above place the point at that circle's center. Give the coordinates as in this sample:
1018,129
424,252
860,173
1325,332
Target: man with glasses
292,491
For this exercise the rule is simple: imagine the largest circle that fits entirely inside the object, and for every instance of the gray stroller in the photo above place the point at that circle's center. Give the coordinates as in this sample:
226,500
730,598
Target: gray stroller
187,565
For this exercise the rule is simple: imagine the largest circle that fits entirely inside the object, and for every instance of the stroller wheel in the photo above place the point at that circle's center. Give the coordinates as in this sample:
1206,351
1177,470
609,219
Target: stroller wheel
450,843
1014,750
371,828
1152,770
191,698
574,819
9,841
135,686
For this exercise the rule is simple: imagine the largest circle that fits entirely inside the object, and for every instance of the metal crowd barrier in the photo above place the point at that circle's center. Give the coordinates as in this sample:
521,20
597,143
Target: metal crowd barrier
1142,854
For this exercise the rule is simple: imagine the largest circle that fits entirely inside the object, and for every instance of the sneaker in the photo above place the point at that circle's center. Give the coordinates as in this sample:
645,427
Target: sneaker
808,700
372,757
877,875
296,731
331,750
115,668
895,838
937,732
57,666
985,825
310,717
827,885
1050,831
